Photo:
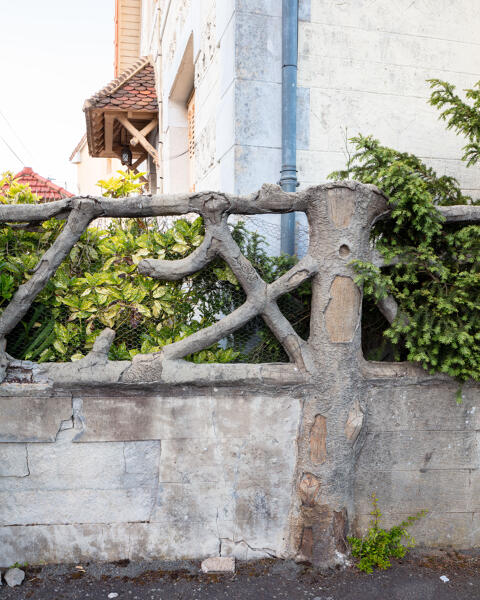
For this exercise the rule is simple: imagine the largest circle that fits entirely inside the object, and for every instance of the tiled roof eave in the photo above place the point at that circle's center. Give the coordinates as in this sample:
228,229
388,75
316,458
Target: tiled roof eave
79,146
133,91
119,81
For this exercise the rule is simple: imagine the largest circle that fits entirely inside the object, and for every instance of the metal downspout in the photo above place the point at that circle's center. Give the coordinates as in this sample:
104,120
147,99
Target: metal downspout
288,179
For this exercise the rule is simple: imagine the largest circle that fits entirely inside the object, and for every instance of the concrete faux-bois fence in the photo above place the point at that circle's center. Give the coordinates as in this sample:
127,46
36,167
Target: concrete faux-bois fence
161,458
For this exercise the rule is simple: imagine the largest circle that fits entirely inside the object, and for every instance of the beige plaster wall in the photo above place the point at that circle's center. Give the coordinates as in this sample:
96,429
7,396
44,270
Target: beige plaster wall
90,170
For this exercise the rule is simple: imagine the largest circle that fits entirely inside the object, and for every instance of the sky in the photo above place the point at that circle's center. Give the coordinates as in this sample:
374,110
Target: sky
54,54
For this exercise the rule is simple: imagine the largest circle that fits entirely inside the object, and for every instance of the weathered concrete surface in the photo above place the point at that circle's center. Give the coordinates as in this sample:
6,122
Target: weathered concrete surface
13,461
183,413
366,65
40,414
212,476
421,451
209,472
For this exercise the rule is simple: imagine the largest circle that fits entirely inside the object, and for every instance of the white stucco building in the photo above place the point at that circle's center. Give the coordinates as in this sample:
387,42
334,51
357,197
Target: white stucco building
362,68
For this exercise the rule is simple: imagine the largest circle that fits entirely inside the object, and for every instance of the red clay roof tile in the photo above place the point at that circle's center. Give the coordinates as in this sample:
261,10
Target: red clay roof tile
43,187
136,83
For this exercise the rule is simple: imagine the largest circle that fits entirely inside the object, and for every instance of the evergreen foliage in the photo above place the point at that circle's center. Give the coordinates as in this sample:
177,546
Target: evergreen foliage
460,116
435,267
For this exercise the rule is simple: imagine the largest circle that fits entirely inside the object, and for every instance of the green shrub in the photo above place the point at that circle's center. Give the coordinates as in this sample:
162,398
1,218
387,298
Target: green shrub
379,545
99,286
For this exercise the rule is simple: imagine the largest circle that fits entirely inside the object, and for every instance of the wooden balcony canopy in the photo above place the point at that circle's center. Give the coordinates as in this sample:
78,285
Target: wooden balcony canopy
123,114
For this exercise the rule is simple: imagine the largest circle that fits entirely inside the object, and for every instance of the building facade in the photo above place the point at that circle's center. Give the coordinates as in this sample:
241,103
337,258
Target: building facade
90,169
362,68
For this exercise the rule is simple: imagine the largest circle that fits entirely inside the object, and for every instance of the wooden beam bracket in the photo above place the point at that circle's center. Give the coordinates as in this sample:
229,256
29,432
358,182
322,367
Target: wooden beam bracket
109,120
138,162
139,136
145,131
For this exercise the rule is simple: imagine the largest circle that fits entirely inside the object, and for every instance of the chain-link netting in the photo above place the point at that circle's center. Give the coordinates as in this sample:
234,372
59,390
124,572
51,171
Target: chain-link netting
99,286
375,345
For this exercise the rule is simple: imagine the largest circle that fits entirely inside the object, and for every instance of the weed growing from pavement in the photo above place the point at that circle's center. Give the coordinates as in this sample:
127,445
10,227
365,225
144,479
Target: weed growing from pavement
379,545
17,565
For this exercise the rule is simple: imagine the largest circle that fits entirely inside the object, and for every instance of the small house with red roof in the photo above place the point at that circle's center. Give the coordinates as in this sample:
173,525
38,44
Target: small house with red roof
90,170
43,187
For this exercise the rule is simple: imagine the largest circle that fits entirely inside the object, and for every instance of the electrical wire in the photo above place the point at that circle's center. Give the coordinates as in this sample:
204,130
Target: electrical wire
178,155
19,139
12,150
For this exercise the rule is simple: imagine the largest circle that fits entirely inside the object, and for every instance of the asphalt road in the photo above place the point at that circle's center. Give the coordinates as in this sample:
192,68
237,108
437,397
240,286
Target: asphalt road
417,577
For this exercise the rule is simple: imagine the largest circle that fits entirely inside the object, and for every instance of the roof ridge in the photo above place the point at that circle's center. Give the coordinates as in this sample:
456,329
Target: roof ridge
78,147
28,171
116,83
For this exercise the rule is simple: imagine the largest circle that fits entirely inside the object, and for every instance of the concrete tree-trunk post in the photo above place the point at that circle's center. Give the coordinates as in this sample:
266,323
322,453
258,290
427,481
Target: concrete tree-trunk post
340,220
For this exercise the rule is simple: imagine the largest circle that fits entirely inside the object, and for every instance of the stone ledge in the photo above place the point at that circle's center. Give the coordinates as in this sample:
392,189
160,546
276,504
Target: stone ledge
219,564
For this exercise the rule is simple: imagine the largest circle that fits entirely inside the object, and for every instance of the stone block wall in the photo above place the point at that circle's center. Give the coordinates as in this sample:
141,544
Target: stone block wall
421,451
190,473
166,475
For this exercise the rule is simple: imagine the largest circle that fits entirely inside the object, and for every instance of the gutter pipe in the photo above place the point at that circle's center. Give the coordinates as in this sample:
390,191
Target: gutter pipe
288,179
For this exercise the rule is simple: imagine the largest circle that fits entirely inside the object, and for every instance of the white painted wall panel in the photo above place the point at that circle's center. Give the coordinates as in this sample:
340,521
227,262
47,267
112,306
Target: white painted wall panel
366,64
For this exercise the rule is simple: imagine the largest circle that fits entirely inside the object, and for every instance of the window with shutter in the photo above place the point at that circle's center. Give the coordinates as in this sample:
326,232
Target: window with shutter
191,141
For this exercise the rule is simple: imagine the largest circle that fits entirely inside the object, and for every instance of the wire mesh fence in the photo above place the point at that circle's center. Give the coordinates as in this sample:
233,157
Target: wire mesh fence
99,286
